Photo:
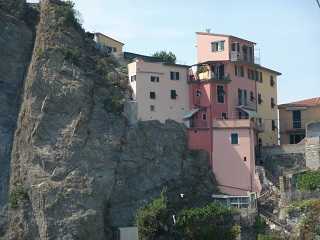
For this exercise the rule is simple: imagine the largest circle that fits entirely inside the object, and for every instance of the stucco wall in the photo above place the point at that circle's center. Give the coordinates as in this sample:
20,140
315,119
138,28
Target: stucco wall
307,115
165,107
204,50
229,161
264,110
109,42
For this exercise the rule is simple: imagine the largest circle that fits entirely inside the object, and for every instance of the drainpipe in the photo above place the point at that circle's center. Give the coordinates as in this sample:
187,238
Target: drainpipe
210,124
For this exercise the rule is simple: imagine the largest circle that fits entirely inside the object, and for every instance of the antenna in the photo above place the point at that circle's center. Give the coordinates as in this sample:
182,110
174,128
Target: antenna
208,30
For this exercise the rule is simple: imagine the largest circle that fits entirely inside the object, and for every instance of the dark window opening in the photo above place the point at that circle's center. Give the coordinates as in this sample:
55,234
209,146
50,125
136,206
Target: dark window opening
272,103
173,94
245,159
259,98
154,79
174,75
198,93
274,126
152,108
133,78
296,119
271,81
234,138
251,96
220,94
217,46
204,116
152,95
224,115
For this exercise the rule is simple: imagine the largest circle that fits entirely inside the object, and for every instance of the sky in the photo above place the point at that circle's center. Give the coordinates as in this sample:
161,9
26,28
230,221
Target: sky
287,32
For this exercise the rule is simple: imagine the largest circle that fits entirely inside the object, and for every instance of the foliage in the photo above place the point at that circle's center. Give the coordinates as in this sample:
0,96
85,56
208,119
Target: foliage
17,194
309,181
167,57
268,237
67,14
152,219
260,225
202,69
213,221
304,205
72,55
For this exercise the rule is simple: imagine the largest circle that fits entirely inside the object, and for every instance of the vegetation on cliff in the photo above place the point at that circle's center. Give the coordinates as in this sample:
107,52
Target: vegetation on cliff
163,219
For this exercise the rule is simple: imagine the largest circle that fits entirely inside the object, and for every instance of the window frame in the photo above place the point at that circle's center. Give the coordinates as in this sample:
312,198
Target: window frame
152,95
173,94
234,136
220,94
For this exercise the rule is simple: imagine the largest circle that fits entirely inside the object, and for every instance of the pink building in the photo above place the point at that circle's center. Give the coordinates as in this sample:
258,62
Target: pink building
223,99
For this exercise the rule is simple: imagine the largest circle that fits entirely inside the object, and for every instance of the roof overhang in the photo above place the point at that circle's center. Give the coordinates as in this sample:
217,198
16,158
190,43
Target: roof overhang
191,113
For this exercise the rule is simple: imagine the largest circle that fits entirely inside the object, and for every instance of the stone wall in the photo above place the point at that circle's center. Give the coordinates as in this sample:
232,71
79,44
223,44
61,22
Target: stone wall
312,146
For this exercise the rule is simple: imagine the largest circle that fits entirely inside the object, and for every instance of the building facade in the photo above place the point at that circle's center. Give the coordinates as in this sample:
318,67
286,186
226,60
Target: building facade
160,90
295,116
108,44
267,109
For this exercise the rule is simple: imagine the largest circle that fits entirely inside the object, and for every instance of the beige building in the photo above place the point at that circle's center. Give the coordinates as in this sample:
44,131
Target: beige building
160,90
295,116
267,110
109,44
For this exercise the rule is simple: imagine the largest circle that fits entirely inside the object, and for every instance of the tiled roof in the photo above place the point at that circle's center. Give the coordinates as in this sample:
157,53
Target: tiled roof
303,103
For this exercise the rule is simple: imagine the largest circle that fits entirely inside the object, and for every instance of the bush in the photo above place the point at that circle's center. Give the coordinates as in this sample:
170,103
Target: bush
153,218
72,55
211,222
269,237
309,181
260,225
67,15
17,194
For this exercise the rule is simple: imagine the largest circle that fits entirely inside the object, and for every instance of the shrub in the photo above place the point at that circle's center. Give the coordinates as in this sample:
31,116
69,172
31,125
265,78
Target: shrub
72,55
260,225
268,237
17,194
211,222
153,218
309,181
67,14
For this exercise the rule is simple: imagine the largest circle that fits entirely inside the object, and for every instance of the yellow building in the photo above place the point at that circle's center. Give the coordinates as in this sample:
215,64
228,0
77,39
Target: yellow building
267,111
111,45
295,116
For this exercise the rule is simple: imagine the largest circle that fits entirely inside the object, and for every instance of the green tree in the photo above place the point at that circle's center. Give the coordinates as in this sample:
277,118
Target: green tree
152,219
167,57
309,181
211,222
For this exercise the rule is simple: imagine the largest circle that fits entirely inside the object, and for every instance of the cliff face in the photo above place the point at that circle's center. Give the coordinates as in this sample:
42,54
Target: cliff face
16,41
77,168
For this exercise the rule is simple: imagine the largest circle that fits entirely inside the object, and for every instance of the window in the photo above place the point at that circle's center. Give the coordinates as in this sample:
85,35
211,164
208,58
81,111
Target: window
114,49
173,94
242,71
152,95
220,94
133,78
217,46
274,126
174,75
198,93
261,77
272,103
256,75
271,81
251,96
234,138
239,97
245,97
204,116
154,79
259,98
152,108
296,119
235,47
252,74
224,115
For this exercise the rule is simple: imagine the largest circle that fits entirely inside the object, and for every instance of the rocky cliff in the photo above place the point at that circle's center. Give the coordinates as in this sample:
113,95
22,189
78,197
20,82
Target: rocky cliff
16,42
77,168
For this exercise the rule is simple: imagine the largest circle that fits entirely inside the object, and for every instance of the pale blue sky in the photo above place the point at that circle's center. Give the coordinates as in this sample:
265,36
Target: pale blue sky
287,32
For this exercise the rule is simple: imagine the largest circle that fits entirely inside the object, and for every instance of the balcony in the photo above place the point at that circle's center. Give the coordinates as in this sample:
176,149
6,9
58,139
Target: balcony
292,127
239,57
208,76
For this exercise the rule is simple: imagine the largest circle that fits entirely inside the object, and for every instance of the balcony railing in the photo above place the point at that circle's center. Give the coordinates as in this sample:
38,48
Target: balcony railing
208,76
238,56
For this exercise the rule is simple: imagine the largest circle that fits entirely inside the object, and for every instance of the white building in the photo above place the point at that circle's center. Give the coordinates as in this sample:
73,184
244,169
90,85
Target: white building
159,90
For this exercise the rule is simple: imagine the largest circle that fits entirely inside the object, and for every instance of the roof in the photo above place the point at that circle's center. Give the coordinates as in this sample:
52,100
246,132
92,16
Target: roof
131,56
98,33
224,35
311,102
